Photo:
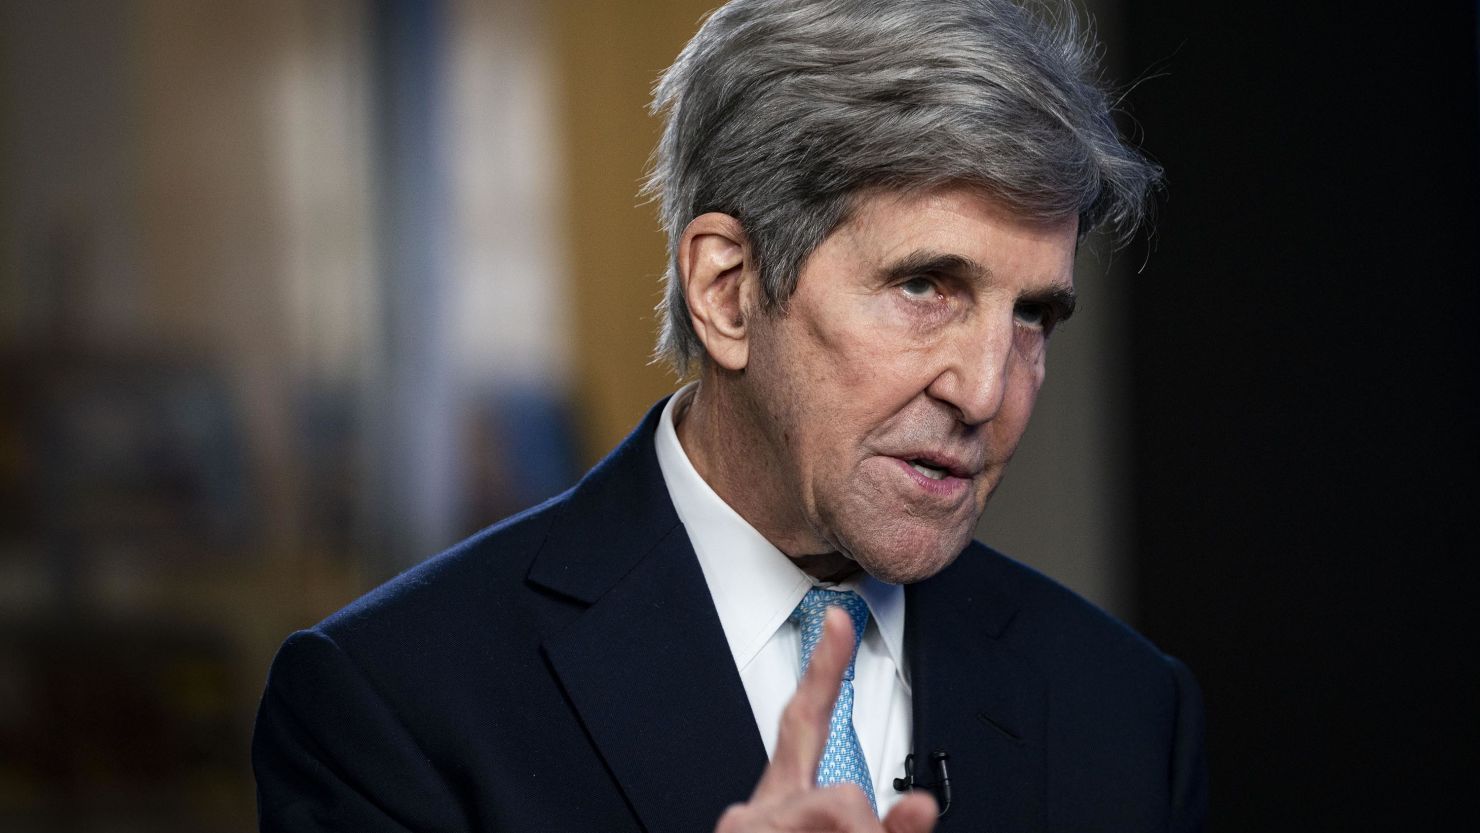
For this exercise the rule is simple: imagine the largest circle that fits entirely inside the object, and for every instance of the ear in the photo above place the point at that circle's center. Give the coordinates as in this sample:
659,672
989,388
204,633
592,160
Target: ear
720,286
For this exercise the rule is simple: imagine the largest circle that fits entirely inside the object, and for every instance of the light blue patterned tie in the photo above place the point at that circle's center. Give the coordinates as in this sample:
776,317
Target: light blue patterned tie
842,758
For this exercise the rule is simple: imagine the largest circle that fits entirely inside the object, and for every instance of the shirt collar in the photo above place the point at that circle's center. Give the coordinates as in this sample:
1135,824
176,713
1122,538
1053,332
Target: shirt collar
754,585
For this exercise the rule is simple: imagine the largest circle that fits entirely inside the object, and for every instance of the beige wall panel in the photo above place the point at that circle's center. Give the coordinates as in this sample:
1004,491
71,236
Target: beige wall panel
608,55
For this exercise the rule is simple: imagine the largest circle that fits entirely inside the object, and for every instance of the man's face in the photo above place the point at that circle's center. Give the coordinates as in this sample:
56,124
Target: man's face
893,389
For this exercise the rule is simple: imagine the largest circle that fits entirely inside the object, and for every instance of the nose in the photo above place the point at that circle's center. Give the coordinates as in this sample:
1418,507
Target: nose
976,368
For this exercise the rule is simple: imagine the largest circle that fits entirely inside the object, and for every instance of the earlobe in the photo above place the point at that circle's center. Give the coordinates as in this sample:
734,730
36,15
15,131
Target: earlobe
719,284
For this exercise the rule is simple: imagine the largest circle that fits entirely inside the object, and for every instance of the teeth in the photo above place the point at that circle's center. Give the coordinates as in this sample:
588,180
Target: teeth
932,473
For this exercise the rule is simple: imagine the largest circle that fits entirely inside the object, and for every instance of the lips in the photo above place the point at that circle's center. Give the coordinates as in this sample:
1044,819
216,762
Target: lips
930,478
937,466
928,470
935,474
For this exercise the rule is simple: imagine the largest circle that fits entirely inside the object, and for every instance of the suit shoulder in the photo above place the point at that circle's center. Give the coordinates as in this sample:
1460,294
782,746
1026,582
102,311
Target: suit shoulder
1072,628
467,580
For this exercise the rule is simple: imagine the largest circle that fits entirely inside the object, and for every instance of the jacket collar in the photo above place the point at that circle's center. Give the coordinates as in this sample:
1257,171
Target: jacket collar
611,520
646,666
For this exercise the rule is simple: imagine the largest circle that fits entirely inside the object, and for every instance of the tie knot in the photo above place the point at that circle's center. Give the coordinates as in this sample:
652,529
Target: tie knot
813,607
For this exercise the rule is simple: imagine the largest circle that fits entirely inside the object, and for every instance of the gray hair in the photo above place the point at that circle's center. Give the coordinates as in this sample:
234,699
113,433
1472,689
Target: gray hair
780,112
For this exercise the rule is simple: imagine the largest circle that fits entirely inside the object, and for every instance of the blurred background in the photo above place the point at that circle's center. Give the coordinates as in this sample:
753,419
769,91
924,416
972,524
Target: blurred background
295,293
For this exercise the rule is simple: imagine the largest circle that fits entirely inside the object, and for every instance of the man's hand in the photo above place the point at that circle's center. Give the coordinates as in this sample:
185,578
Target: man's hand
787,797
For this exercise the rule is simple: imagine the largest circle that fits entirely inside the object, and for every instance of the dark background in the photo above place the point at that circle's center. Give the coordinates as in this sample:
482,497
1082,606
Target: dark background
1304,357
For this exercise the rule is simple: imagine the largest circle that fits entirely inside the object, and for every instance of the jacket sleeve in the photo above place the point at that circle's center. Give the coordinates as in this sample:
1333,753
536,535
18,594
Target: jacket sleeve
330,754
1189,776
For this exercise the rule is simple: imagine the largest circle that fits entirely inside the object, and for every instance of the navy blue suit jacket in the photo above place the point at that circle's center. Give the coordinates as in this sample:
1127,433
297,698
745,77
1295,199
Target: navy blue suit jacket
565,670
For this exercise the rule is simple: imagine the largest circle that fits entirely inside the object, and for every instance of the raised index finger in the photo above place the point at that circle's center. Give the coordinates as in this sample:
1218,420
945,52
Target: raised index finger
805,722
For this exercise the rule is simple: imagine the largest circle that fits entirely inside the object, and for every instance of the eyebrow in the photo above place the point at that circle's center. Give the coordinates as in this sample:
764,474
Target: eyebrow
927,262
1062,299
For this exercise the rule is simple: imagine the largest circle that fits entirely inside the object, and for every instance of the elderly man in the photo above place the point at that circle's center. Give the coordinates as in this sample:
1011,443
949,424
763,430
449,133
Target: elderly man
872,210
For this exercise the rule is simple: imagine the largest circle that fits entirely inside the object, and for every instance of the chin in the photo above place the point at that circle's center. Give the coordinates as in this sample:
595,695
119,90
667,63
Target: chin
905,556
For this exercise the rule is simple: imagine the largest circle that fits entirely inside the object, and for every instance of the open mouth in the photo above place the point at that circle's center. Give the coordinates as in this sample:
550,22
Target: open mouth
928,470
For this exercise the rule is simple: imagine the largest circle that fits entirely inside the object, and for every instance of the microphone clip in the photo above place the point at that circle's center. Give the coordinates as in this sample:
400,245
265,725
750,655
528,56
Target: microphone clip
941,788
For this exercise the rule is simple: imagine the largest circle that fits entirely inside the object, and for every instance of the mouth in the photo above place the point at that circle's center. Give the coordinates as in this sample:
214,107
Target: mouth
932,472
937,466
935,474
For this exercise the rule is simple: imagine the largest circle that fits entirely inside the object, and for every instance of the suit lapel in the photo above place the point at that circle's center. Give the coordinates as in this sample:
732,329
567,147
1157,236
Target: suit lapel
975,699
646,666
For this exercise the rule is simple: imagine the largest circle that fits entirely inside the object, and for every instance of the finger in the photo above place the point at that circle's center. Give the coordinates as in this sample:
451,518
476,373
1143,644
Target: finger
804,722
839,807
915,813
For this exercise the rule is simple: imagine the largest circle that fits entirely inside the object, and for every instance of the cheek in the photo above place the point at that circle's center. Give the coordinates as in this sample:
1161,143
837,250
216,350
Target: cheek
837,350
1025,379
849,371
883,364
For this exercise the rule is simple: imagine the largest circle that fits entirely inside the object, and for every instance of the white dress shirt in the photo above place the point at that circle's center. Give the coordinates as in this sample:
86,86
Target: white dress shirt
755,587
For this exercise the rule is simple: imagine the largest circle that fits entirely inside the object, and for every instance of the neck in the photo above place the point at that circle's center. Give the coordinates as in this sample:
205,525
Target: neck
720,431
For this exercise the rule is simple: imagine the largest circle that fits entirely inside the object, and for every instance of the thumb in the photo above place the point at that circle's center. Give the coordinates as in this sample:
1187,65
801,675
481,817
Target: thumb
915,813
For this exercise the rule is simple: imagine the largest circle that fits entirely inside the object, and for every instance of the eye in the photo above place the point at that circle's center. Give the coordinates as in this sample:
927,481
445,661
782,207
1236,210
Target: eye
1034,315
919,289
